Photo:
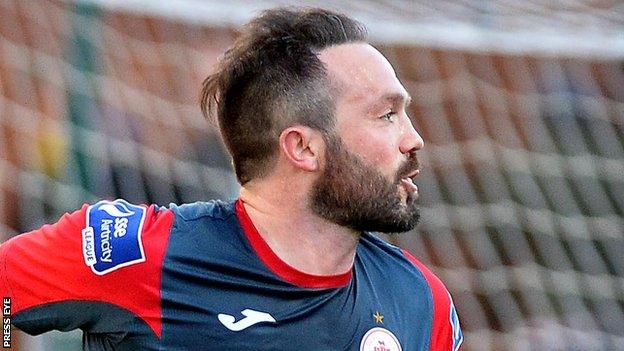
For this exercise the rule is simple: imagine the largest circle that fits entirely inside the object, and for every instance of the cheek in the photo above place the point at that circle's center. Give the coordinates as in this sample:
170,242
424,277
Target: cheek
376,149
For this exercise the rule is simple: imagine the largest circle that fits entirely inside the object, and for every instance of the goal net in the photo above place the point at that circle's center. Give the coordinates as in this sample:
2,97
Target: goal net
521,105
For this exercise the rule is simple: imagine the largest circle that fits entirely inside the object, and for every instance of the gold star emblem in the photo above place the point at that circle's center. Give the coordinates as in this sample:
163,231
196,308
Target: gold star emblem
378,317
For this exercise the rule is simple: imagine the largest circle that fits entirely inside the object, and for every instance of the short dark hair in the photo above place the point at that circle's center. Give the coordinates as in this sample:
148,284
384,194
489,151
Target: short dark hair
272,78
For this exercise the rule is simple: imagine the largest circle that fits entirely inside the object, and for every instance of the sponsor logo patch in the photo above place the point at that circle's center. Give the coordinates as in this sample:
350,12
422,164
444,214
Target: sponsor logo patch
112,236
379,339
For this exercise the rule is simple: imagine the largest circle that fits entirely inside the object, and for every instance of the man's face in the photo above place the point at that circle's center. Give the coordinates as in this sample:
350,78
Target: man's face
371,157
358,196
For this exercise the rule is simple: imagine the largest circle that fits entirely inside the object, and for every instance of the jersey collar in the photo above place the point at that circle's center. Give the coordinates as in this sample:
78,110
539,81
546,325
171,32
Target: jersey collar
281,268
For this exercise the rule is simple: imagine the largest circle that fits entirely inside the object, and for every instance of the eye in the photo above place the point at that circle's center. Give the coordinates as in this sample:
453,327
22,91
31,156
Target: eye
390,116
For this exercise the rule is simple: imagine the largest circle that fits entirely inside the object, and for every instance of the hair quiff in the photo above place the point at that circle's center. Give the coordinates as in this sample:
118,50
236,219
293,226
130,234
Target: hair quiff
271,78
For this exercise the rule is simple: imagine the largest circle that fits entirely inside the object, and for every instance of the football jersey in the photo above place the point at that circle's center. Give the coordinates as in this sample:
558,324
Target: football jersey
200,277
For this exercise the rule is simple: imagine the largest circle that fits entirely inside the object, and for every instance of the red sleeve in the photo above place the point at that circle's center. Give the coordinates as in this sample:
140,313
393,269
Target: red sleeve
446,332
115,260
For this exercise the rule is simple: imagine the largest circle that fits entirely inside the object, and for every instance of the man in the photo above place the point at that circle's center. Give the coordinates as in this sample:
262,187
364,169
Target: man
315,120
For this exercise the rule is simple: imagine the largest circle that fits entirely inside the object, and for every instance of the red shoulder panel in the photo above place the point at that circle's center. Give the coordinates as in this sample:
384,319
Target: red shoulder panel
48,265
445,333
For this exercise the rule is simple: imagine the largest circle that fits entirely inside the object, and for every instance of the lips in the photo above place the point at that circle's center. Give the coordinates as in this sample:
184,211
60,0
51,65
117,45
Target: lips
408,182
413,174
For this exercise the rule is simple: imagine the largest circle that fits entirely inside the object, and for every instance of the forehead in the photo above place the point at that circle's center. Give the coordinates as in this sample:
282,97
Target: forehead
362,73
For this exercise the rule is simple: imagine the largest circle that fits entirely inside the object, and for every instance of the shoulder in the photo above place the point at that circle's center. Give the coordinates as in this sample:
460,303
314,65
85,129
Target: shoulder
117,234
434,282
203,228
446,332
396,262
92,255
198,218
215,209
383,250
402,256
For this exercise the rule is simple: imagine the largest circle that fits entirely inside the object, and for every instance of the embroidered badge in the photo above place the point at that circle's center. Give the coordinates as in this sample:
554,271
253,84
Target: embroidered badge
112,236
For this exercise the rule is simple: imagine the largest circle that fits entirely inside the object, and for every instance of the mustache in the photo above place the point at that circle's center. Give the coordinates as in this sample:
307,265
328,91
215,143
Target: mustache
408,167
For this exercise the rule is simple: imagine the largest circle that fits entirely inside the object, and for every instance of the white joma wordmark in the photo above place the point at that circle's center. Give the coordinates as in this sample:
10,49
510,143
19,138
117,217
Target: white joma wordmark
251,317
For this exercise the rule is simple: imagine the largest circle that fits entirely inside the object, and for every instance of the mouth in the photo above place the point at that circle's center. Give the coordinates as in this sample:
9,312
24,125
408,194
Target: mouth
408,183
413,174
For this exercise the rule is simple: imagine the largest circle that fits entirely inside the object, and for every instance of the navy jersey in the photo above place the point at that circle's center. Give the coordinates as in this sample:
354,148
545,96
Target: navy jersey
201,277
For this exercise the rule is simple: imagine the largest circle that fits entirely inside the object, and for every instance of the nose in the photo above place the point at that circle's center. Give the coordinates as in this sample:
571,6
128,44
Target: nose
411,141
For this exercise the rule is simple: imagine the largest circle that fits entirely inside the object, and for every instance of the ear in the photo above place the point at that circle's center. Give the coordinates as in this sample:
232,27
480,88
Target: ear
302,147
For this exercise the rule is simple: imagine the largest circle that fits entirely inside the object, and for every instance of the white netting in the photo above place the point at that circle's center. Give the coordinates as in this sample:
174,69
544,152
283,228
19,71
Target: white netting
521,105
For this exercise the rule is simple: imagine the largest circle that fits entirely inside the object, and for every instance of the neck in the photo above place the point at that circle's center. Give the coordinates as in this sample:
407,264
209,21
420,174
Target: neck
296,235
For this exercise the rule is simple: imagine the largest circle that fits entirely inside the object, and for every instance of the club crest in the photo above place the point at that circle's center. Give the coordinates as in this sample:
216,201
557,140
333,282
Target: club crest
380,339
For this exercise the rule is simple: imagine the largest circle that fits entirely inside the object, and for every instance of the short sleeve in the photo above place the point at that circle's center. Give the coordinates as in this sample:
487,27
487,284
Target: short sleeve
105,257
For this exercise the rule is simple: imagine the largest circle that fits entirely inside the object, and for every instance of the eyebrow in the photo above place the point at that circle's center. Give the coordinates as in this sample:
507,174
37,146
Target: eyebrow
397,98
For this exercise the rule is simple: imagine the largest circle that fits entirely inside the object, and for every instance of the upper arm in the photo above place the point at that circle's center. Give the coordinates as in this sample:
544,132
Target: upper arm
446,331
108,254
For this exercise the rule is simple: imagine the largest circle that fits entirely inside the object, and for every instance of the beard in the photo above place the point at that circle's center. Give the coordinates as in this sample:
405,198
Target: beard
355,195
